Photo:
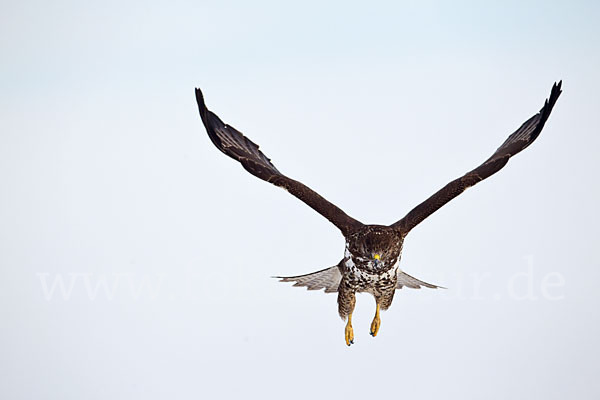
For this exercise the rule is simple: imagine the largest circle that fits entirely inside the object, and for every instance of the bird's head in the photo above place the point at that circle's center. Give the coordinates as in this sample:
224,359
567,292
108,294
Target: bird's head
376,248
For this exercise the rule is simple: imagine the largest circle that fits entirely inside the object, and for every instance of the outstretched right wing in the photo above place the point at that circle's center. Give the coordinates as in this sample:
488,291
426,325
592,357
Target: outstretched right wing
237,146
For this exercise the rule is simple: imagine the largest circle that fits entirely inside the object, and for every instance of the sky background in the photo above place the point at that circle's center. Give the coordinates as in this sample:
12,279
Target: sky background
135,258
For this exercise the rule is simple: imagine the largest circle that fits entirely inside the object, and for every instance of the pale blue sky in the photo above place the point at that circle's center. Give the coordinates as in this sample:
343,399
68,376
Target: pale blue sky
107,175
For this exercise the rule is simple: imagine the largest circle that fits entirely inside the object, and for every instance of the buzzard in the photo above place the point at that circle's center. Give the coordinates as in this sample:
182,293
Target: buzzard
372,252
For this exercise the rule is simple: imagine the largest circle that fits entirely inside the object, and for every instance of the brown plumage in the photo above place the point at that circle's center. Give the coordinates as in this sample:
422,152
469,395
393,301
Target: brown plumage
373,252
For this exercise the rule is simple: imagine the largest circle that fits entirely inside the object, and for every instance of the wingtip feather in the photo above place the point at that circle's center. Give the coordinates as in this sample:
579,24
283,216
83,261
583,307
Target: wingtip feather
200,98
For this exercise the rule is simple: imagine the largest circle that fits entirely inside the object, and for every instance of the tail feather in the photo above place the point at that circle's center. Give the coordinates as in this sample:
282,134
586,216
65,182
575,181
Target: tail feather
328,279
405,279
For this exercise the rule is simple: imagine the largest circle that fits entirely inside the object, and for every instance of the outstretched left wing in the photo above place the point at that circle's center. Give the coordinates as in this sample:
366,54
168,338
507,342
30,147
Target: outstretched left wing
516,142
237,146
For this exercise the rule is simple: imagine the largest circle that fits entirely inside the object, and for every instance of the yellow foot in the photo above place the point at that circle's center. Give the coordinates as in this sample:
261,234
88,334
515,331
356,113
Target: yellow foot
376,323
349,332
375,326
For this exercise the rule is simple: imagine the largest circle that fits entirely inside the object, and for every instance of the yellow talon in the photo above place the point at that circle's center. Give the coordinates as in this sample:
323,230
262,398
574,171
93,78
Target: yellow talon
376,323
349,331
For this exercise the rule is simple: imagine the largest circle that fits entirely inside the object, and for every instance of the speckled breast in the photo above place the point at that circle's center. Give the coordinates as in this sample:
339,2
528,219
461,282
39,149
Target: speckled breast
369,280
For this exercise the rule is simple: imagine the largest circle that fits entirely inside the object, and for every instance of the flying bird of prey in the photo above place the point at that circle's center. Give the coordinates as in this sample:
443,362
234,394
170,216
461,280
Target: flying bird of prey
372,253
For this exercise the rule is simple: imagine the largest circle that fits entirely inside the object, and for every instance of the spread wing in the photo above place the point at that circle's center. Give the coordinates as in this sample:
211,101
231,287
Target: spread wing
328,279
516,142
237,146
405,279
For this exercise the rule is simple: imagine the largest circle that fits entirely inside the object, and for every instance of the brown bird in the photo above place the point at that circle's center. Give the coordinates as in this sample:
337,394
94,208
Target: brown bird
372,253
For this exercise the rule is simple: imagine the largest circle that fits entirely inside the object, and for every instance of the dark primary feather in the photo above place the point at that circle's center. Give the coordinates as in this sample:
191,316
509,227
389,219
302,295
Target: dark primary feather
516,142
237,146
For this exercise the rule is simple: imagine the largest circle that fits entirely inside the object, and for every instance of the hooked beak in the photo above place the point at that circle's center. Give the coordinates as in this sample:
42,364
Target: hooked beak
377,259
